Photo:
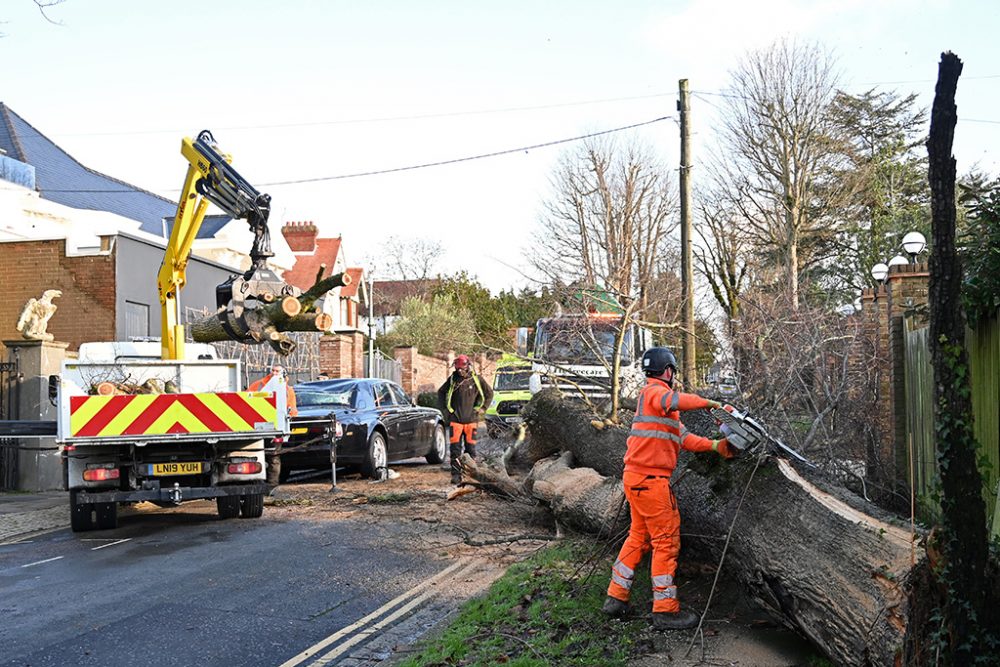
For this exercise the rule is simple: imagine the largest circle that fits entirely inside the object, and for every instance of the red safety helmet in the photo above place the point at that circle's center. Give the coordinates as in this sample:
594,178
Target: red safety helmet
461,361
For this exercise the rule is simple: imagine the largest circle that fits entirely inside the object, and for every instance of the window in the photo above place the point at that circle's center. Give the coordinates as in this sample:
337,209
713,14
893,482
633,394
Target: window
136,320
401,397
383,395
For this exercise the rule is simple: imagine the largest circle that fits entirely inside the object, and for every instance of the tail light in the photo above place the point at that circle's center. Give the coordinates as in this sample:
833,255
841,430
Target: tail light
339,430
245,468
100,474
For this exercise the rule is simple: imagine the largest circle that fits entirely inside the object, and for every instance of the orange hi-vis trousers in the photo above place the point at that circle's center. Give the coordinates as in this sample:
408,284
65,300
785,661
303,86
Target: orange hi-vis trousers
468,430
656,525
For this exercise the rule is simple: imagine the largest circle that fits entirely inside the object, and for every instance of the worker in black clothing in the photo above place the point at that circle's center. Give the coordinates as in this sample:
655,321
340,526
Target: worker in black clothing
463,399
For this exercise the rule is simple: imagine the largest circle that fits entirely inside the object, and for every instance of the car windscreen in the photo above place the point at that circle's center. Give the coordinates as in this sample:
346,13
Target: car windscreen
512,380
320,399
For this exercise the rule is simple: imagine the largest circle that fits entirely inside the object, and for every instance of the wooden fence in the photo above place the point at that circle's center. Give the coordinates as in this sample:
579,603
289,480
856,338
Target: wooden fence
983,344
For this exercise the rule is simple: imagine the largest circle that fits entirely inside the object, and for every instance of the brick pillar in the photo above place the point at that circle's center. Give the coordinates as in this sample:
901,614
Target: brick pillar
908,286
358,356
407,357
335,356
873,361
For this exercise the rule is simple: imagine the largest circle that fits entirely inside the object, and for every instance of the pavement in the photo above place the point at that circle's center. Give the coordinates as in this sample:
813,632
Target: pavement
24,514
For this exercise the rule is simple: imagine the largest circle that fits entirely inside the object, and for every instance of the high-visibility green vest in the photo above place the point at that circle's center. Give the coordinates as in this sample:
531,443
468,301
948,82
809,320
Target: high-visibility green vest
479,388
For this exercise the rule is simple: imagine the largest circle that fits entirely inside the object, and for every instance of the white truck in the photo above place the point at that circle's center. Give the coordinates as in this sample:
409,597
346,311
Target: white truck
575,352
191,434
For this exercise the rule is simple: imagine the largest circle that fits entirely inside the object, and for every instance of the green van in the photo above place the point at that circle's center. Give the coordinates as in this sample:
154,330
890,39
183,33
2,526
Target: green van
510,393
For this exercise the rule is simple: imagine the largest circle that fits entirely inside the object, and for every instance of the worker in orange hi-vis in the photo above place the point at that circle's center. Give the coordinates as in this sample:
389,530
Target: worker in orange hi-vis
274,459
656,437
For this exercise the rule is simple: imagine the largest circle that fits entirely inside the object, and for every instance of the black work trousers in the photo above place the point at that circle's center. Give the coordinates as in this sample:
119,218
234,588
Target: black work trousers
457,448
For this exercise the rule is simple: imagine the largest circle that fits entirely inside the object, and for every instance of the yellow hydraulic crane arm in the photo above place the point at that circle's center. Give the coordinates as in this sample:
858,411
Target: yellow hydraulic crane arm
210,178
191,209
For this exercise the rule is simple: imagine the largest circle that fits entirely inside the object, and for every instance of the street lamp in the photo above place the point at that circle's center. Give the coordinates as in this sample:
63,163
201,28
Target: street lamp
880,272
898,260
914,244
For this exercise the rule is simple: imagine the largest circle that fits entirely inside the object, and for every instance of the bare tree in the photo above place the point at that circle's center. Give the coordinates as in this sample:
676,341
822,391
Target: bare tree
606,225
722,256
780,149
411,258
608,219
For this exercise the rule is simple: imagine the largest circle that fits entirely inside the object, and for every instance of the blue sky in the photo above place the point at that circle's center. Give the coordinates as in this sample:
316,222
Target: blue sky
303,90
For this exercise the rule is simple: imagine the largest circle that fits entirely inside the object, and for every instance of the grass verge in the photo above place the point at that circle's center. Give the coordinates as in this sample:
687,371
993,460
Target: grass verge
543,611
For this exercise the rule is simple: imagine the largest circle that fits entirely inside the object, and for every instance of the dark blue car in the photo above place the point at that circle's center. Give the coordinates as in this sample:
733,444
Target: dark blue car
372,420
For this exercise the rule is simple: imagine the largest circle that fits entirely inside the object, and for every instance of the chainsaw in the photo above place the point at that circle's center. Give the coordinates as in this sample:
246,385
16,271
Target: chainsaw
744,433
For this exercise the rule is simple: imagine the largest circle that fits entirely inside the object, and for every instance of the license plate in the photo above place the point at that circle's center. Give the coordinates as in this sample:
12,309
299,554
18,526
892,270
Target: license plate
513,420
299,431
185,468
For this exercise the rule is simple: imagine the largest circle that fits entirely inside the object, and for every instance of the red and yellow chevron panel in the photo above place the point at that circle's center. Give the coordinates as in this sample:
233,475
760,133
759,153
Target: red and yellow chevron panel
159,414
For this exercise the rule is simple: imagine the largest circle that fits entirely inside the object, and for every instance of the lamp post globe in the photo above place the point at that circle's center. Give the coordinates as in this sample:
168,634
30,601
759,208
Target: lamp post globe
898,260
914,244
880,272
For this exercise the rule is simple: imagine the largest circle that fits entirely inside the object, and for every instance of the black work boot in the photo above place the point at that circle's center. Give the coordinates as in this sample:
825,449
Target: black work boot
614,607
681,620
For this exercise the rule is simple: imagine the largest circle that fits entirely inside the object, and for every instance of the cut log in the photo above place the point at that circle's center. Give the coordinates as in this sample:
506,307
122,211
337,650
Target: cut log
580,497
270,322
822,560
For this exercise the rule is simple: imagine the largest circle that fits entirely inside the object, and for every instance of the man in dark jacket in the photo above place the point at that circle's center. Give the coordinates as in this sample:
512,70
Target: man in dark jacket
463,399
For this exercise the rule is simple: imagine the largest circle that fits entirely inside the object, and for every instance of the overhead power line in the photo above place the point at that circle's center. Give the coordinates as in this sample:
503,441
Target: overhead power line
381,119
471,157
413,167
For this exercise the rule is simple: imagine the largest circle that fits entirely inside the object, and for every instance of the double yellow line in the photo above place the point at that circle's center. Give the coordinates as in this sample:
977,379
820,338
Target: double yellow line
360,630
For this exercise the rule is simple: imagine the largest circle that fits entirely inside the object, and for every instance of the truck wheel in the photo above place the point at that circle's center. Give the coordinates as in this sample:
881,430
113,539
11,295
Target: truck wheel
439,446
80,516
228,506
377,457
252,505
107,515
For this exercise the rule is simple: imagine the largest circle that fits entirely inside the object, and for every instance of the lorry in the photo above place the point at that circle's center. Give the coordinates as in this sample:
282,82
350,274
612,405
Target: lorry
575,352
136,426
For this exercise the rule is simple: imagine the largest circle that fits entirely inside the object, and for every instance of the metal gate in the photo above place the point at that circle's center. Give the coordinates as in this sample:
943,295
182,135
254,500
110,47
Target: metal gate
10,390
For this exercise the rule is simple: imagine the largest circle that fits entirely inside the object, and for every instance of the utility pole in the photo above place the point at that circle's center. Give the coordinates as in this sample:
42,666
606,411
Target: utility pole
371,324
687,272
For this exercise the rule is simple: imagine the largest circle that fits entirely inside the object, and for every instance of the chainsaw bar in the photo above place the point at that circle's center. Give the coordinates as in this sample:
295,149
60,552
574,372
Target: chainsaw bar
744,429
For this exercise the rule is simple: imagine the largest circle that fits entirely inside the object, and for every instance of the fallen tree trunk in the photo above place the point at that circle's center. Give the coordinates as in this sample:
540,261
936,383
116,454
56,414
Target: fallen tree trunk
823,561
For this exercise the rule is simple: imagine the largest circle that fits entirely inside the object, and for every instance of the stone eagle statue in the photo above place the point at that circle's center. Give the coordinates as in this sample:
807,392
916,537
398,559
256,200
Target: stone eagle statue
36,315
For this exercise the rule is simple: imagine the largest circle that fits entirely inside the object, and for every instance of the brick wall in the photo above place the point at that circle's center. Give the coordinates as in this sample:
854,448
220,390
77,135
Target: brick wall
879,356
421,373
86,309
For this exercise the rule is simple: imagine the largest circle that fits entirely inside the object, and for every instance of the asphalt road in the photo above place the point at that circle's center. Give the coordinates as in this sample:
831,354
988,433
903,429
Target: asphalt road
181,587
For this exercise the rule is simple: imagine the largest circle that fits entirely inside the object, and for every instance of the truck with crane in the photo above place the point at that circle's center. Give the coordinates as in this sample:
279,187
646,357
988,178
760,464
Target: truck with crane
133,427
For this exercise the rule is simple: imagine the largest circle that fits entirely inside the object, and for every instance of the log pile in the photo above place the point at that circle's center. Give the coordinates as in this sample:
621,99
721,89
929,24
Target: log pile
824,562
271,320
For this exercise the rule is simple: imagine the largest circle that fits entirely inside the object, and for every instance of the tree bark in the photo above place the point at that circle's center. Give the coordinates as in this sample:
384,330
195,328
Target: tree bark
269,323
968,614
822,560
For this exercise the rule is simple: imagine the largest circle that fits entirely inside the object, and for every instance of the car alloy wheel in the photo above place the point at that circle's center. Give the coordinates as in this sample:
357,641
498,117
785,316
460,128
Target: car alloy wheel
376,463
439,446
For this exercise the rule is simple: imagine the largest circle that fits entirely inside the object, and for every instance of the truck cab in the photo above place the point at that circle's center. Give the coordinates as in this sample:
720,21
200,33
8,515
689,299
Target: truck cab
576,353
510,393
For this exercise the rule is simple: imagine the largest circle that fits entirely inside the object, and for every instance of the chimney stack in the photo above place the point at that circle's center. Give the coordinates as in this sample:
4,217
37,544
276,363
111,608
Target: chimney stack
301,236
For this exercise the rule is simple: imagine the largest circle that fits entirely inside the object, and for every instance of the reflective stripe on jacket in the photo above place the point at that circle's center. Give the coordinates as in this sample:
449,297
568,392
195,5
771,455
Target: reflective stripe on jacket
657,433
479,387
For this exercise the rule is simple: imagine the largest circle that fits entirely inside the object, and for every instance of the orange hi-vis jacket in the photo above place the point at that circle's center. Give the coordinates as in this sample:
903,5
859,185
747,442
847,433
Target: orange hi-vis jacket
258,385
657,432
